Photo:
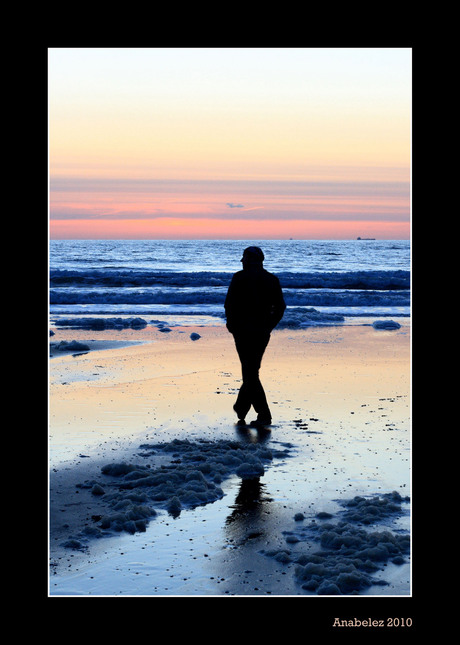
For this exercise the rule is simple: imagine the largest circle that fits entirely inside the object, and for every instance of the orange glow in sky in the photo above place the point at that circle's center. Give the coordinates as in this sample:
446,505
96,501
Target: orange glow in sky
229,143
177,228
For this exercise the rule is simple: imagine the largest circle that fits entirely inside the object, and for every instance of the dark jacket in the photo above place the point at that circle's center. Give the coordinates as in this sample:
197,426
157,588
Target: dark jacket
254,301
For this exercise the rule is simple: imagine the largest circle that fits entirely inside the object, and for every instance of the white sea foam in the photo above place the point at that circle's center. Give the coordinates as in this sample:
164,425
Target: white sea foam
327,554
349,557
131,494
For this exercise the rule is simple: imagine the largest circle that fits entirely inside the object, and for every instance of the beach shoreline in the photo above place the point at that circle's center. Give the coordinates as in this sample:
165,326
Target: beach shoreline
340,397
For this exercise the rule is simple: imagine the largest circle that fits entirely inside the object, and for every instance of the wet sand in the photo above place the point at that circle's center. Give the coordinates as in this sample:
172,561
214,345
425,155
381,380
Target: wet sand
340,396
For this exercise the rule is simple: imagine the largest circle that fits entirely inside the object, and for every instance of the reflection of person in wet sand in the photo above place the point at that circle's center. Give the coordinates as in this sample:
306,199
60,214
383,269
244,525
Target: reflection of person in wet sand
248,503
254,306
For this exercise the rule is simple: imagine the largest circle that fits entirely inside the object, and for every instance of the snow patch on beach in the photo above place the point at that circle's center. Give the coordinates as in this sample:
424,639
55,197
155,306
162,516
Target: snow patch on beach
349,555
132,494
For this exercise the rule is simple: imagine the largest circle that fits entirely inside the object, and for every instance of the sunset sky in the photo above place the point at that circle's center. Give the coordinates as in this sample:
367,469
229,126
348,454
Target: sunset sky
165,143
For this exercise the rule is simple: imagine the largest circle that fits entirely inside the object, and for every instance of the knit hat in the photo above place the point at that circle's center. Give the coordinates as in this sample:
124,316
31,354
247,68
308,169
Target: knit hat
253,253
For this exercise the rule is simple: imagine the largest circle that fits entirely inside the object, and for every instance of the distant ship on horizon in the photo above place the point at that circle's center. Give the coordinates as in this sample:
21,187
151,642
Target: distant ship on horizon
365,238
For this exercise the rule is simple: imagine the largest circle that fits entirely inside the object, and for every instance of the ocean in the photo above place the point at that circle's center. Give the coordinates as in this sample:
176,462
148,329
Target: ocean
325,282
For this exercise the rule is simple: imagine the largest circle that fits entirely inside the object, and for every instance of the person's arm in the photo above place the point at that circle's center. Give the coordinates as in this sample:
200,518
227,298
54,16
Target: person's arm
230,305
278,305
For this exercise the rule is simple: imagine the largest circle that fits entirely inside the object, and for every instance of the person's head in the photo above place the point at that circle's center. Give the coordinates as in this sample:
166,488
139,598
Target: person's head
252,256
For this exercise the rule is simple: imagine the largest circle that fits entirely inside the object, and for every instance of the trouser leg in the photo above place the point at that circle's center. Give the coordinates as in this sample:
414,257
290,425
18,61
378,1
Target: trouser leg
251,350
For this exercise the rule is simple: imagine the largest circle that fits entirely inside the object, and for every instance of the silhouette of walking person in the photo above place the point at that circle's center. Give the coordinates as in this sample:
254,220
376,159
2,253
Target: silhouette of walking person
254,306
